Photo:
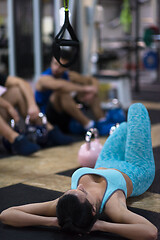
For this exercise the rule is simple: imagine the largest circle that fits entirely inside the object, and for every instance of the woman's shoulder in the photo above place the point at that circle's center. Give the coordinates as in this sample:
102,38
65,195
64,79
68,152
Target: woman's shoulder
115,206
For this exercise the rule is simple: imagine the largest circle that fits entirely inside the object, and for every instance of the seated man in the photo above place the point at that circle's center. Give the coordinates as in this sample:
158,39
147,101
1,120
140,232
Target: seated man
18,95
58,91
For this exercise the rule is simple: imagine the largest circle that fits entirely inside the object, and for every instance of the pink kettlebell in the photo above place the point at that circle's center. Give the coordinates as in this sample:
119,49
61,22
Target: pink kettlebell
89,151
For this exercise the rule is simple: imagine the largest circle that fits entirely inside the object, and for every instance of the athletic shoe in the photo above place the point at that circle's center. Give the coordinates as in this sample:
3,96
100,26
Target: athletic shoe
104,128
75,127
116,115
7,145
22,146
57,138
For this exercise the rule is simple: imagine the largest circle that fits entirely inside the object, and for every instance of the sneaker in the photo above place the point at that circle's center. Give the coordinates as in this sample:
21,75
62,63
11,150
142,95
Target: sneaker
104,128
116,115
57,138
75,127
7,145
22,146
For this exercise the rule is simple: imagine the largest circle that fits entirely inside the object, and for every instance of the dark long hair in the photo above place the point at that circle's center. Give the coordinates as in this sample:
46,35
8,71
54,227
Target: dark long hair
75,216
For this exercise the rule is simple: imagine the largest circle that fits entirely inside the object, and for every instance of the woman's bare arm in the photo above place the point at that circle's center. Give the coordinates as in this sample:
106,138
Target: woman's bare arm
127,224
132,231
31,215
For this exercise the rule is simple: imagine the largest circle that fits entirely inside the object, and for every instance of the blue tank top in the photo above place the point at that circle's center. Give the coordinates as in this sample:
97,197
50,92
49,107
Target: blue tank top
42,97
115,181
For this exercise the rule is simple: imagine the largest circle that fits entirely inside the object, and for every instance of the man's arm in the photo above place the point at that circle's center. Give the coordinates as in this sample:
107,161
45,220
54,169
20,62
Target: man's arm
10,109
83,80
35,214
4,103
27,92
48,82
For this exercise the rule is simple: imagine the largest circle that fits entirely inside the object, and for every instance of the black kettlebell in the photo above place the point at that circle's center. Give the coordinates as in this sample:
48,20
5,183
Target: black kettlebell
37,133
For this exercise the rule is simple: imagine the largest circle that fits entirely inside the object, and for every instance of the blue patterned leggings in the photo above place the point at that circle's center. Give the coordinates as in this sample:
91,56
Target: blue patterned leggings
129,149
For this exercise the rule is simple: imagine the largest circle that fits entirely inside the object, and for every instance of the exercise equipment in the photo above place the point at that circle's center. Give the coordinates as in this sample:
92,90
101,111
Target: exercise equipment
113,128
89,151
149,32
37,133
150,60
59,41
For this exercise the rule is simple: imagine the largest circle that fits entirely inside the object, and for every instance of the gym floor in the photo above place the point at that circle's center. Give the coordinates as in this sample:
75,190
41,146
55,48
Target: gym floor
42,169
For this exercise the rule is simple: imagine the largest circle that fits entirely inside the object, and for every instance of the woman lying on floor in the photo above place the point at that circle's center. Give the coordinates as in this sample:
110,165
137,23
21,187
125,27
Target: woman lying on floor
124,168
